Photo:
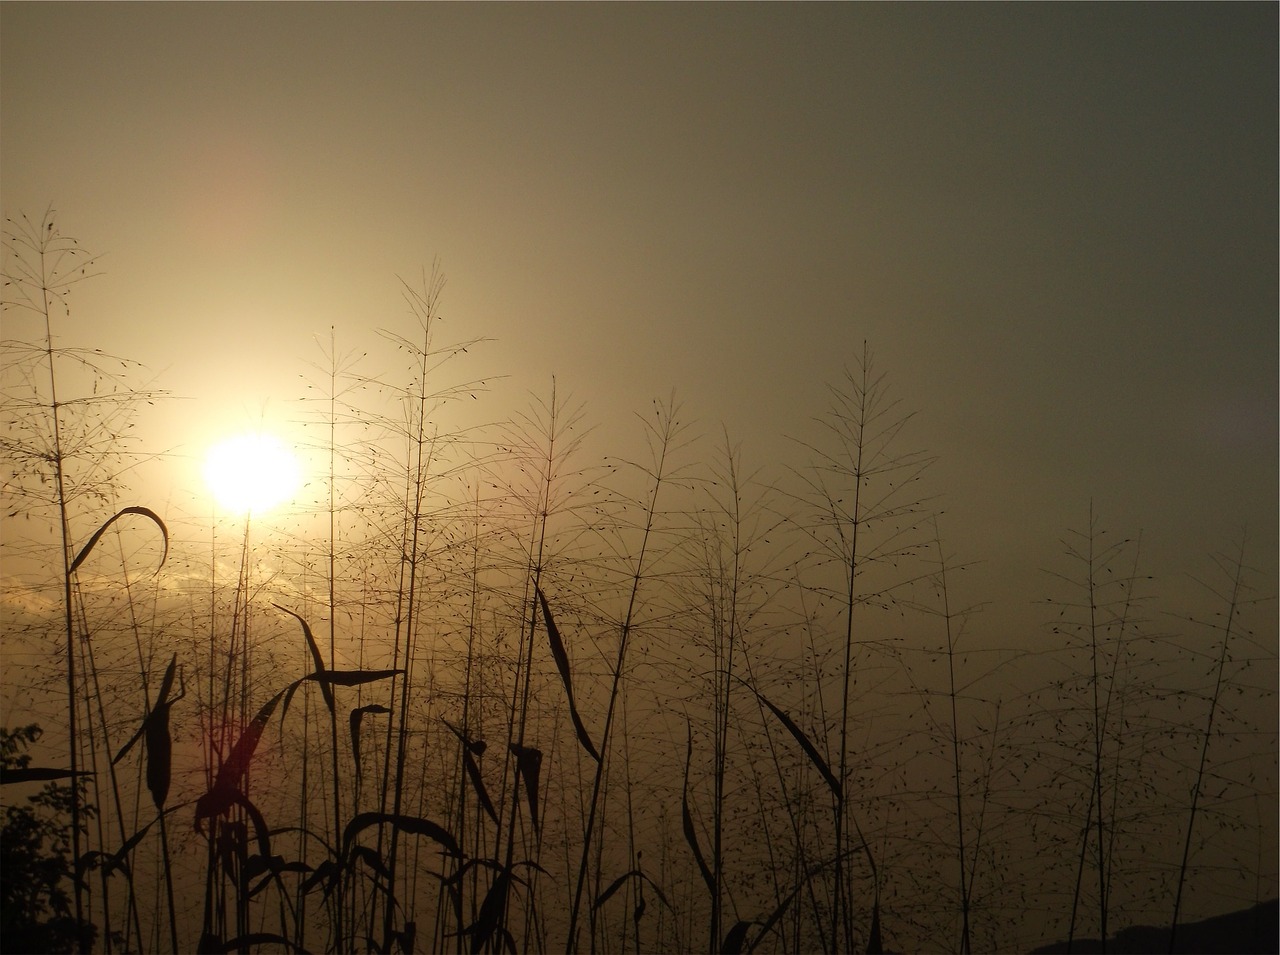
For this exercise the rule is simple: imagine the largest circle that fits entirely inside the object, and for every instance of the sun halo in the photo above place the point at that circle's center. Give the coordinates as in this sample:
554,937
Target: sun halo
251,473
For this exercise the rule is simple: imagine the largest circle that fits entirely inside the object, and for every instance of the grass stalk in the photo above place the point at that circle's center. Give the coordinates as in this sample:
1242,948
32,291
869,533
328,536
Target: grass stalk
1234,570
663,432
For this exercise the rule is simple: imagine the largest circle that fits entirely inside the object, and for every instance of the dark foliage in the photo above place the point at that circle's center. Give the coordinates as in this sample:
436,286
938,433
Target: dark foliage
1249,930
35,863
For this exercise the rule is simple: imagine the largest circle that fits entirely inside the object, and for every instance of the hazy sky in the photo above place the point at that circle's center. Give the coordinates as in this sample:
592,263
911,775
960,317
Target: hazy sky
1056,225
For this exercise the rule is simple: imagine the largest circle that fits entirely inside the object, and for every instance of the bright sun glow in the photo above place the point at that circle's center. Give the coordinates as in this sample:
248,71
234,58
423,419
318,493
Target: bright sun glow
251,473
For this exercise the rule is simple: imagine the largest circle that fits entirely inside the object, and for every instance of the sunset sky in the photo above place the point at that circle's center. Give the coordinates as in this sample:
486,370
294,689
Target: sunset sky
1054,225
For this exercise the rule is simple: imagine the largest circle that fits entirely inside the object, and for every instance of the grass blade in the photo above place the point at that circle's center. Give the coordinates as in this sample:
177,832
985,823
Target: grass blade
477,746
159,754
473,771
243,942
145,512
874,944
805,743
491,912
357,715
35,774
562,664
325,688
349,677
691,834
225,790
733,941
529,766
617,883
414,825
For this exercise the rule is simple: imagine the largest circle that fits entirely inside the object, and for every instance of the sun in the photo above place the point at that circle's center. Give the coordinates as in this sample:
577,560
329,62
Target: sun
251,473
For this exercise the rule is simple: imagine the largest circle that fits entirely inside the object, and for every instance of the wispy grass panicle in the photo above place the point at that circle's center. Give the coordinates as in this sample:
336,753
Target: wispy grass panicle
864,516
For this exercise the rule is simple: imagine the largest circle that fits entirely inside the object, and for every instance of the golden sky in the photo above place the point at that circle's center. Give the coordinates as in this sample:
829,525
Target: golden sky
1054,224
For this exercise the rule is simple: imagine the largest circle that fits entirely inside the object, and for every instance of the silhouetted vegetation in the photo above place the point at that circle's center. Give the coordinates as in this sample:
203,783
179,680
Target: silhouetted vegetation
37,868
476,693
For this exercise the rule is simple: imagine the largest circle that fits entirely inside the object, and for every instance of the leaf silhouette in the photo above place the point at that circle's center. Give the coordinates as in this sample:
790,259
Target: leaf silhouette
225,789
371,859
357,715
768,924
733,941
259,824
166,682
328,872
315,655
414,825
691,834
874,944
492,911
617,883
145,512
242,942
155,730
237,763
159,740
118,859
349,677
35,774
477,782
562,664
476,746
159,754
810,750
529,766
614,886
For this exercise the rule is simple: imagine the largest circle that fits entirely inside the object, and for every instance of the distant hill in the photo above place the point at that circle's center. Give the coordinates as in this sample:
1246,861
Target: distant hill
1250,930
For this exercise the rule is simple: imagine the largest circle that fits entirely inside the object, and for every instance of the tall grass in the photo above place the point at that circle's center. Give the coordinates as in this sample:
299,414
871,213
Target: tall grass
479,695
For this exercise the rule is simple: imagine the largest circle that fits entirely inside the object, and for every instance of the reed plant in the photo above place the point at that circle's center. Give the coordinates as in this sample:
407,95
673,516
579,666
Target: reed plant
489,691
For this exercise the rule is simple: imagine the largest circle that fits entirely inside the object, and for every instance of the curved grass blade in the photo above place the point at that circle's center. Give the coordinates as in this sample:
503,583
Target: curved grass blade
315,655
415,825
260,829
691,834
617,883
260,864
733,941
357,716
309,833
768,924
145,512
529,766
614,886
242,942
237,763
225,789
371,859
328,872
562,664
492,911
477,782
805,743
